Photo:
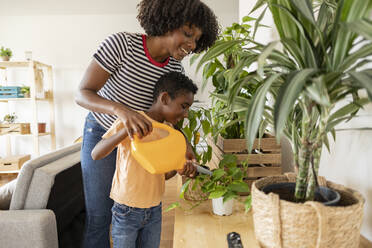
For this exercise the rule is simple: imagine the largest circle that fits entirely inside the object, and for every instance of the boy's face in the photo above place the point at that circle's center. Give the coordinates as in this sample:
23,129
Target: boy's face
177,109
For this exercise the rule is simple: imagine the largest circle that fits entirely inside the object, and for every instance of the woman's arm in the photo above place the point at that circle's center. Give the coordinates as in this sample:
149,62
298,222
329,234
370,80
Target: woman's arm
94,79
106,146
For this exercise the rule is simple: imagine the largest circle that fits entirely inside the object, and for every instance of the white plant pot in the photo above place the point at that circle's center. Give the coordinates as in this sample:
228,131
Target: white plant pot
220,208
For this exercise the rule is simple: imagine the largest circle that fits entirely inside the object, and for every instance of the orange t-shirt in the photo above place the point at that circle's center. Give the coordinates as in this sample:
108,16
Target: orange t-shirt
132,185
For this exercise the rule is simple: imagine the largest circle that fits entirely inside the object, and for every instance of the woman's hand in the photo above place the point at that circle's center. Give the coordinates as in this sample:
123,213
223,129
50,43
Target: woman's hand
134,122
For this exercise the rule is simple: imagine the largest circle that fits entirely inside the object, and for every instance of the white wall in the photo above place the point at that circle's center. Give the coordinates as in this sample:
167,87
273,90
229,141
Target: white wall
349,161
65,34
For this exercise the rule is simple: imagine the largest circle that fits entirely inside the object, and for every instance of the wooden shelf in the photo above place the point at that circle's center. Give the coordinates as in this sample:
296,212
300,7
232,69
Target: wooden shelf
28,135
10,172
21,99
20,64
40,81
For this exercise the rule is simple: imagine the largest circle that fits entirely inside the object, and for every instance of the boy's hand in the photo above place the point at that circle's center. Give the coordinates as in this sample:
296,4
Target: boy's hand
188,169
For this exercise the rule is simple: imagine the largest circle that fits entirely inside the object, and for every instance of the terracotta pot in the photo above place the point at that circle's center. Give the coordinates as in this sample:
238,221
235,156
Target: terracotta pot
5,58
41,127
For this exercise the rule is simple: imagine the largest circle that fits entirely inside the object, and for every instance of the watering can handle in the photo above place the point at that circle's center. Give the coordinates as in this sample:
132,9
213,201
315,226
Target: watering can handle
156,124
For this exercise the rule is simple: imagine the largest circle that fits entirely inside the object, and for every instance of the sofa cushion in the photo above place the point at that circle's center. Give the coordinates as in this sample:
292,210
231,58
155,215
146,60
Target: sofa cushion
44,178
26,182
67,202
6,192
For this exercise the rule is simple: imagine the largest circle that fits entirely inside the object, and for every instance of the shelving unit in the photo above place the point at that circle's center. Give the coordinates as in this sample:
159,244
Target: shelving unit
34,82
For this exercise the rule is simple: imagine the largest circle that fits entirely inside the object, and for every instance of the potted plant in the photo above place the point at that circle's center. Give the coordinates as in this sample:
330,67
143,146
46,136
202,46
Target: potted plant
10,118
25,90
196,127
217,69
223,64
222,187
5,53
320,66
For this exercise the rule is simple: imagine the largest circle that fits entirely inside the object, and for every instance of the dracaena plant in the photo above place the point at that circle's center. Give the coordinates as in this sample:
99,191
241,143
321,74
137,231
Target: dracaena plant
311,83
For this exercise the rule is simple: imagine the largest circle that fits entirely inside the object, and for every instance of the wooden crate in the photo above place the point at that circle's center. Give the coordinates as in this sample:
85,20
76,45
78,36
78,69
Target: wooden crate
15,128
13,163
265,163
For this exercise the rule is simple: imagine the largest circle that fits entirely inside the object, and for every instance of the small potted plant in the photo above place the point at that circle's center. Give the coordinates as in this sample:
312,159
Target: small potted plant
10,118
5,53
25,90
196,127
222,187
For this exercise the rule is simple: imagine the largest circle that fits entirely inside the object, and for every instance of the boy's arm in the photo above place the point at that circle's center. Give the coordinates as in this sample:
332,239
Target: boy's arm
107,145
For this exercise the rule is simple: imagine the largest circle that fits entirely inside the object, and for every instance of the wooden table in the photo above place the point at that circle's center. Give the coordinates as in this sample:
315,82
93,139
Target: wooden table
201,228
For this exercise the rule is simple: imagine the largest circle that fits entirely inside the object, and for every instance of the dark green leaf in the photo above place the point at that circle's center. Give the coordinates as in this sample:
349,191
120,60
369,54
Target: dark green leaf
288,94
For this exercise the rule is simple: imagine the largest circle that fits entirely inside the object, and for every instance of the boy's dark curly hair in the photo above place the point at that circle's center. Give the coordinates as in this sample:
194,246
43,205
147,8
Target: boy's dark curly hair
157,17
174,83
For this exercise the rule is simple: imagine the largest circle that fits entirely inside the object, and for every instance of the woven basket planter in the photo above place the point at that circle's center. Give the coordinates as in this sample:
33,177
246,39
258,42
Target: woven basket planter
282,224
194,195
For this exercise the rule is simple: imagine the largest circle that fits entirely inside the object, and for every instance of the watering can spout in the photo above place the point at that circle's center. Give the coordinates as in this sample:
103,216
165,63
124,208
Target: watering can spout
161,155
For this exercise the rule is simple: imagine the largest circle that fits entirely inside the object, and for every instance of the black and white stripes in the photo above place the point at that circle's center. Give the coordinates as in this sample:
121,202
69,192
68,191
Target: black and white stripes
133,72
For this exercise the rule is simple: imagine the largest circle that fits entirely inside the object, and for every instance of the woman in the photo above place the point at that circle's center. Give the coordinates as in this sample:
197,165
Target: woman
120,79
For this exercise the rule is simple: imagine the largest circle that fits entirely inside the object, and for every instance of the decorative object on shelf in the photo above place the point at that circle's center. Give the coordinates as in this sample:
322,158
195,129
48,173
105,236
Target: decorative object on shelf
5,54
41,127
25,90
28,55
10,118
13,163
15,128
10,92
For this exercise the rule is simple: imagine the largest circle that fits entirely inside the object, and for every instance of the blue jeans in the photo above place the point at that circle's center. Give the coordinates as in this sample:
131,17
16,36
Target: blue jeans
97,179
136,227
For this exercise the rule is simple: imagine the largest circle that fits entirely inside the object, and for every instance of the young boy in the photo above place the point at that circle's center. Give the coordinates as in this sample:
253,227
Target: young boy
136,214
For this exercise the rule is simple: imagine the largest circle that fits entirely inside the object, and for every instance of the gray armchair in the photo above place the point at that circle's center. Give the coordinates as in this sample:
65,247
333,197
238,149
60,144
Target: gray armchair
47,206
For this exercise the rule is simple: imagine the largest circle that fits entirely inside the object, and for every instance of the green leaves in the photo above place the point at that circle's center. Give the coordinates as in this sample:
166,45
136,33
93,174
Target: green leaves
239,187
362,27
256,107
219,48
364,79
288,94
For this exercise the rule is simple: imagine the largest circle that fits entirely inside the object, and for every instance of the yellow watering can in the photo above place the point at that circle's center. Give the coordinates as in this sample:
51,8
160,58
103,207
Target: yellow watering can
162,155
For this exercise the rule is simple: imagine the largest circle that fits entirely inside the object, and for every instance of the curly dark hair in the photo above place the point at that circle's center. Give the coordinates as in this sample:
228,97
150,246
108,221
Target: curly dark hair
157,17
174,83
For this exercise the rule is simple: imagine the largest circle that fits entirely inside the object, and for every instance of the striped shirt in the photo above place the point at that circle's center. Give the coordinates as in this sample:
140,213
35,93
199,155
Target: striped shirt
133,73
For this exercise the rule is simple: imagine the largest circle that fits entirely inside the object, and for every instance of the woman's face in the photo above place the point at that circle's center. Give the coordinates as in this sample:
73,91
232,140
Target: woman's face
183,41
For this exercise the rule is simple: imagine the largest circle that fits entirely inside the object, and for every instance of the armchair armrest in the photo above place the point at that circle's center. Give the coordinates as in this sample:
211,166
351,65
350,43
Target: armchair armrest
28,228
